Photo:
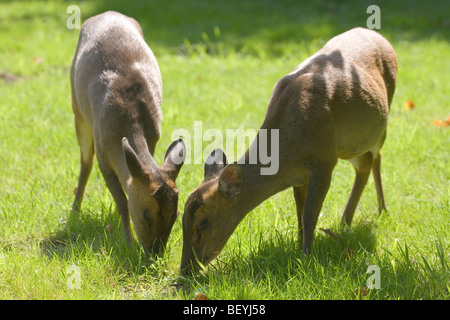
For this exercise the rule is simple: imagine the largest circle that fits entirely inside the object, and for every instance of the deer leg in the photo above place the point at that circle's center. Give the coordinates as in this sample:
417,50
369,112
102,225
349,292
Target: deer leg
362,165
115,188
300,197
318,186
86,143
376,172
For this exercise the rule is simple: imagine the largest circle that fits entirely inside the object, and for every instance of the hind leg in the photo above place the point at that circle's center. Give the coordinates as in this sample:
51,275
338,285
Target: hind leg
376,172
362,165
86,143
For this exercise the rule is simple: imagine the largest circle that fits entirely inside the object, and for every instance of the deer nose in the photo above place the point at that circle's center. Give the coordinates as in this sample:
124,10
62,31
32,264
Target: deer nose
153,250
188,267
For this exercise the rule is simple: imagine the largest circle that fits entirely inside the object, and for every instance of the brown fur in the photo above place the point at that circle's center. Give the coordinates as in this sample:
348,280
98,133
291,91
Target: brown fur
333,105
116,99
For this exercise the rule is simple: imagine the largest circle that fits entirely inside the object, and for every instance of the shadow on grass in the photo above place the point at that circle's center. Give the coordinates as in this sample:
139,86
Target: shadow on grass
266,28
330,247
85,233
279,259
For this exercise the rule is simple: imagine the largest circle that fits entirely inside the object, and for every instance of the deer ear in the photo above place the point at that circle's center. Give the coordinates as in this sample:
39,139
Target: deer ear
231,180
174,158
216,161
134,165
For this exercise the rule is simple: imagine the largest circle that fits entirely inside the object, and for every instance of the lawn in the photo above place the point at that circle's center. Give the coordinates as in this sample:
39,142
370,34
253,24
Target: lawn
219,63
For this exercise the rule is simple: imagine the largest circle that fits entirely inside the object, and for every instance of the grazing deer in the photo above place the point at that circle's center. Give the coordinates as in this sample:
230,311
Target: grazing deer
333,105
116,98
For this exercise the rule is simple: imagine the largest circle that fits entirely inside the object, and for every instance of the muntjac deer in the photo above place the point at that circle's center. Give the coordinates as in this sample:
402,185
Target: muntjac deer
333,105
116,98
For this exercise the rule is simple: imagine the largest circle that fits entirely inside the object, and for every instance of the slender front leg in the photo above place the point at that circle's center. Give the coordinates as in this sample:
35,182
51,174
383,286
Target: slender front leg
115,188
362,166
300,197
317,190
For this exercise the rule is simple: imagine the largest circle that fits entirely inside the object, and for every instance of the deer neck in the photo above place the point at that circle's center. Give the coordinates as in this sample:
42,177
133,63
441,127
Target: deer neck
139,145
256,188
259,184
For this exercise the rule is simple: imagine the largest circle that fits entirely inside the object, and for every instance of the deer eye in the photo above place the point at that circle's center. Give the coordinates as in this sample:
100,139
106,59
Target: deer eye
203,225
147,216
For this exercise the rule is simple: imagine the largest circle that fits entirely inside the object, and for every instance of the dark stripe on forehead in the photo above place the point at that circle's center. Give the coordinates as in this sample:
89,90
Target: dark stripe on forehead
194,202
166,198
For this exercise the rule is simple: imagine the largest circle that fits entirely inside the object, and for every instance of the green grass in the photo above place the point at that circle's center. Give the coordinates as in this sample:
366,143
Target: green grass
219,63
